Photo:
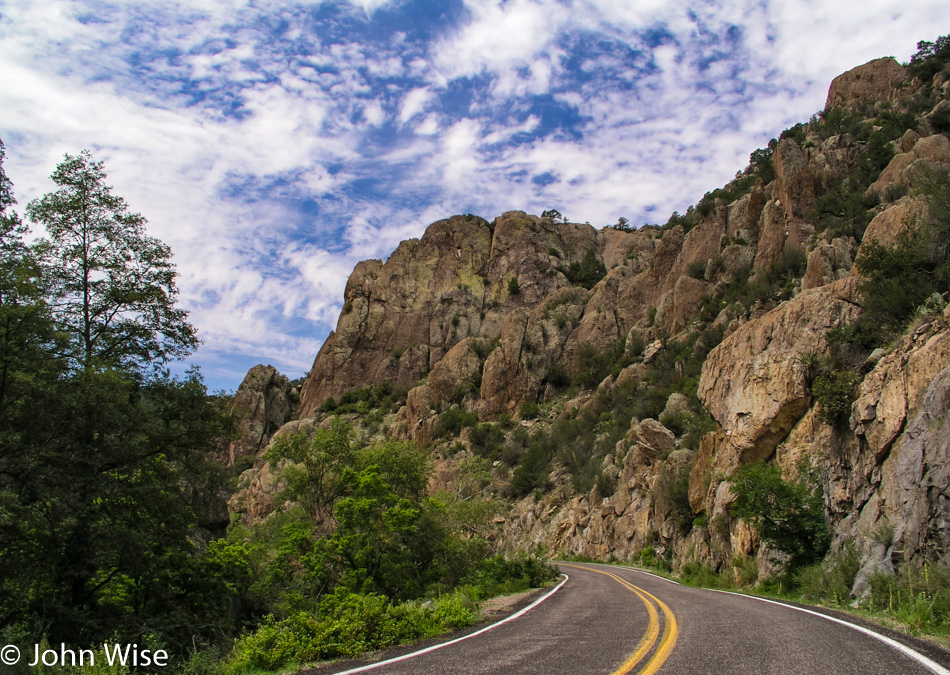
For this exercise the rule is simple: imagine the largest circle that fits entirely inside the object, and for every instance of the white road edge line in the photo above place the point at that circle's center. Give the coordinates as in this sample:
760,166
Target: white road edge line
933,666
514,616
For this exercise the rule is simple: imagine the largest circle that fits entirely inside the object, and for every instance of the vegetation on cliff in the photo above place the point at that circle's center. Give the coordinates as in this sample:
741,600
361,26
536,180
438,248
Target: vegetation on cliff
112,517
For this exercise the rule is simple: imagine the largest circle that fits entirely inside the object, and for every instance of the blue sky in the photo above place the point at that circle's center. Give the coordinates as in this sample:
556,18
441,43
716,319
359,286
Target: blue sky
273,144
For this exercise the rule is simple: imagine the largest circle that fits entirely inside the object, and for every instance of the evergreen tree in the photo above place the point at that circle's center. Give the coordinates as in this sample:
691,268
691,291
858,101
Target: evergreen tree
111,288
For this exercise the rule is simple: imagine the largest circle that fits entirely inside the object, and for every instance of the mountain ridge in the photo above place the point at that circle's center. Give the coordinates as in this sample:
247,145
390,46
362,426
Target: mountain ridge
732,307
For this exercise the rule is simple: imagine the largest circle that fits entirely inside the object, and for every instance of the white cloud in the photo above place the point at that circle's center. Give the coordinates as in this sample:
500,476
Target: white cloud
414,103
217,133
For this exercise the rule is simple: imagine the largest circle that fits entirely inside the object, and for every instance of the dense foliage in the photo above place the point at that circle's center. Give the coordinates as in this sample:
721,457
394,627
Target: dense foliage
112,520
345,568
103,479
790,515
899,280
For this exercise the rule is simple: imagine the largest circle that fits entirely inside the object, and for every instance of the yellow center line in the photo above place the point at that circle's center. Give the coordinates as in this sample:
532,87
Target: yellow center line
670,630
670,633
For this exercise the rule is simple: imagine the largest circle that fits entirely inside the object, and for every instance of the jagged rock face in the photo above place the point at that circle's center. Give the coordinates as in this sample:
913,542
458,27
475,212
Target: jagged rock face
460,366
886,227
755,382
828,263
932,152
263,403
445,305
871,83
401,317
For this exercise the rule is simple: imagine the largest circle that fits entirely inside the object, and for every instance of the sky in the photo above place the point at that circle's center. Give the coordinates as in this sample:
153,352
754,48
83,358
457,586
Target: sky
275,144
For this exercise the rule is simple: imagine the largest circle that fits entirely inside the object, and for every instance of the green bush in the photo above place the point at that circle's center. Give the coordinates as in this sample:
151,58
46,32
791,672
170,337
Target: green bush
452,421
529,411
918,596
789,515
677,422
703,576
486,439
835,392
532,473
347,625
831,580
697,269
499,575
930,59
514,288
587,272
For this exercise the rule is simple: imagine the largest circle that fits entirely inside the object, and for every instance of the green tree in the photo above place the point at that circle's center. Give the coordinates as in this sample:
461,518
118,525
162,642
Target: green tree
760,164
930,58
101,494
110,287
26,332
587,272
313,469
789,515
388,538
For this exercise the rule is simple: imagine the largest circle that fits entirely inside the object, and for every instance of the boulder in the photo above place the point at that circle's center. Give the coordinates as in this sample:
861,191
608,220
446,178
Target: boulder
456,373
755,384
874,82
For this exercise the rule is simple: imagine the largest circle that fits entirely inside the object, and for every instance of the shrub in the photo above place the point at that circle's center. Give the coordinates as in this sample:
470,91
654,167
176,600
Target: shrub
452,421
529,411
677,422
595,365
930,58
347,625
697,269
557,377
513,287
587,272
789,515
486,439
918,595
532,473
830,581
835,394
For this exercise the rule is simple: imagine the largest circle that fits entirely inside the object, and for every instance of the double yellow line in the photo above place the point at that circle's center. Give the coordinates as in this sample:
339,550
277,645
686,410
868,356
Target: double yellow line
648,641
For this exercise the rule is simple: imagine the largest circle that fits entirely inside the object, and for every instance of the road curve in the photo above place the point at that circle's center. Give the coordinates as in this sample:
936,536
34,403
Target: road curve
615,620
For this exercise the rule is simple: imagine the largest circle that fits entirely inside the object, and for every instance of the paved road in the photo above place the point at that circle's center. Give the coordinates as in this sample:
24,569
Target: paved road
617,620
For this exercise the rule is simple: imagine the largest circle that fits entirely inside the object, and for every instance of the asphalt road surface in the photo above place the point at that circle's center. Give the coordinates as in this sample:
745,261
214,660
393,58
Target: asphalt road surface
616,620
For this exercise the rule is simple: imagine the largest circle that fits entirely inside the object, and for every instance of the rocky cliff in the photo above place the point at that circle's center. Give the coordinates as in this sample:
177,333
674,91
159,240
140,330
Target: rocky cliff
680,352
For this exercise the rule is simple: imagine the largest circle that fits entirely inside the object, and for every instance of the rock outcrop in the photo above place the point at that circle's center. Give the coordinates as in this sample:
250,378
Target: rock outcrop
487,316
874,82
262,404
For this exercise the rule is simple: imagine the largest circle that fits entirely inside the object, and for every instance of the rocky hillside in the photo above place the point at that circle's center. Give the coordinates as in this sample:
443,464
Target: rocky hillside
612,381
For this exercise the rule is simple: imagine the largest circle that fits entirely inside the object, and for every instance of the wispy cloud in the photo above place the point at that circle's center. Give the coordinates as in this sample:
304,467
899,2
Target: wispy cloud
274,144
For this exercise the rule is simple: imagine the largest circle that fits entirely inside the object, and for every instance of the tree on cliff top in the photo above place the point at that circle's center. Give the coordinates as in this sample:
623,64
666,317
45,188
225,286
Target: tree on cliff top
111,288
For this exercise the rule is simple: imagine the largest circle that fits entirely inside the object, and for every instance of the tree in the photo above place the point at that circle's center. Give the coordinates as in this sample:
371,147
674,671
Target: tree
789,515
26,332
587,272
311,469
930,58
623,224
110,287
